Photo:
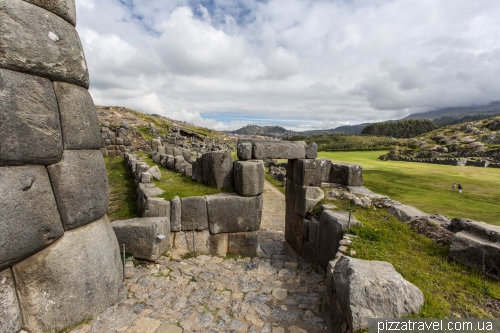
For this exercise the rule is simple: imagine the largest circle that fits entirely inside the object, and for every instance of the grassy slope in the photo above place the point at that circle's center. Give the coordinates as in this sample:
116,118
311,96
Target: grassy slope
450,289
122,204
428,186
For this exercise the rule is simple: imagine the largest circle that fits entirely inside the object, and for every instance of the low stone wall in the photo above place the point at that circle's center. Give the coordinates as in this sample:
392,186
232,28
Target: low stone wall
59,258
220,223
450,161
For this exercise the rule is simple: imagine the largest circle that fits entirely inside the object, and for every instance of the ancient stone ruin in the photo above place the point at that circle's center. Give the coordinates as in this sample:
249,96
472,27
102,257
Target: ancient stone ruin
59,255
59,258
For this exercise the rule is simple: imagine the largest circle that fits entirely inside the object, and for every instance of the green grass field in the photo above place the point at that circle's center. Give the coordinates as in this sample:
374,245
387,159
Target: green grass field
428,186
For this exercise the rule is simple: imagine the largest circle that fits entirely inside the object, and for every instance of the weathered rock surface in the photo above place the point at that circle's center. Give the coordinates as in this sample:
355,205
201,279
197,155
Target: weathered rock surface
30,130
229,212
29,219
309,172
312,150
278,149
155,172
10,313
249,177
194,213
243,243
477,245
406,213
217,169
80,126
156,207
63,8
75,278
244,151
204,242
332,226
80,184
175,214
347,174
37,42
145,238
306,197
361,289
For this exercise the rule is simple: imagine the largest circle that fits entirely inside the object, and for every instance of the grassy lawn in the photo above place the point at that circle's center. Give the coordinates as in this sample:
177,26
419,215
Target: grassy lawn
175,184
122,204
428,186
450,289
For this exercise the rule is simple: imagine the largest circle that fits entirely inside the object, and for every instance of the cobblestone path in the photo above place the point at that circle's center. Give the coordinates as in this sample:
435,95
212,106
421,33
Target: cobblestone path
274,293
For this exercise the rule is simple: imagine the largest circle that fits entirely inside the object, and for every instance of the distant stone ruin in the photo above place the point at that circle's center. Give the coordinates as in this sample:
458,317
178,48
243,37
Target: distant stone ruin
59,258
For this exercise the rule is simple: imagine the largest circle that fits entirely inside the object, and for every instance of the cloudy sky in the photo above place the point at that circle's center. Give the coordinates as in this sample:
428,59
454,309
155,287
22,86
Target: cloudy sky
300,64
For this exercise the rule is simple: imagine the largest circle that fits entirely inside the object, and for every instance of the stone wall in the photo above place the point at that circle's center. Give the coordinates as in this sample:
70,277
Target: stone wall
482,163
222,223
59,258
114,140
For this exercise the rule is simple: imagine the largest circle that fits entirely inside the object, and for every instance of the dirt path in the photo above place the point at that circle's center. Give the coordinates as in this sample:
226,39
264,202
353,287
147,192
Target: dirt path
272,227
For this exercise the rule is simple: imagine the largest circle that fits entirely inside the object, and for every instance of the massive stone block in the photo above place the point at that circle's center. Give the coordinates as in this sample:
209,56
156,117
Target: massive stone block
229,212
80,184
249,177
29,219
37,42
80,126
217,169
243,243
145,238
310,172
347,174
156,207
278,149
194,213
75,278
361,289
63,8
30,130
204,242
332,226
305,198
244,150
477,245
312,150
10,313
406,213
476,252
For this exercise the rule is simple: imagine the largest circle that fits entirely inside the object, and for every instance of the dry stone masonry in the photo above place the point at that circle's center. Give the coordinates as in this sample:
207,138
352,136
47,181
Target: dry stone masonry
220,223
59,257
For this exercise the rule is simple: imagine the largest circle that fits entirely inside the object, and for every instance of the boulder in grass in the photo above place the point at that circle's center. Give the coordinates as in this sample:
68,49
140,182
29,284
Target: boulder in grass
406,213
477,245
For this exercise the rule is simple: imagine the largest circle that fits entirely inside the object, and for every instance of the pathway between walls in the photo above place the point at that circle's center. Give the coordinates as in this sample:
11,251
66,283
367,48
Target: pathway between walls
276,292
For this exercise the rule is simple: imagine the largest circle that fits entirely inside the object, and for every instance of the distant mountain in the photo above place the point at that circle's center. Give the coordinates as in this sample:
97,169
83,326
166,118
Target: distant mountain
458,112
278,132
274,131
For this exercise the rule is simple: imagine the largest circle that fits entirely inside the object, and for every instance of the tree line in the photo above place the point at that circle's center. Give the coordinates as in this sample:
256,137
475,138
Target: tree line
401,128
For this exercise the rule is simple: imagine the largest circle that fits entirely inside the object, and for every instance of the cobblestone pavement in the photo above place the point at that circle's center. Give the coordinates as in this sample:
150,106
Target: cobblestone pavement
276,292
